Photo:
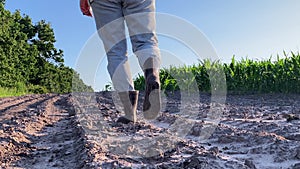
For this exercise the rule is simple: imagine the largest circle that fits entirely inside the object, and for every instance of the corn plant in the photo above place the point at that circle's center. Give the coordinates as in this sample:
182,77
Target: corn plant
267,76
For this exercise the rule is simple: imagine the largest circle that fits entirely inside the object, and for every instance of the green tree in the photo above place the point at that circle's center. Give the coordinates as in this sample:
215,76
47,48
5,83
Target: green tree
28,56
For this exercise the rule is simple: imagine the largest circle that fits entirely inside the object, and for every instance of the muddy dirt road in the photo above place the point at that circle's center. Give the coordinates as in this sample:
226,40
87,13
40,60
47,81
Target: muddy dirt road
38,132
79,131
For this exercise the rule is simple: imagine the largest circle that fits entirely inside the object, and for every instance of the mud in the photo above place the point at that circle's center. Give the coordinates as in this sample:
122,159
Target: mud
79,130
38,132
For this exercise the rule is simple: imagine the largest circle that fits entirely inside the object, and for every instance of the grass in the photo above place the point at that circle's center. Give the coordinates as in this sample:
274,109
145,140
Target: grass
9,92
21,89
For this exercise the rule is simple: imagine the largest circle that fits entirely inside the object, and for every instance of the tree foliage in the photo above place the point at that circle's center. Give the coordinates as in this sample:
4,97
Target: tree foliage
28,56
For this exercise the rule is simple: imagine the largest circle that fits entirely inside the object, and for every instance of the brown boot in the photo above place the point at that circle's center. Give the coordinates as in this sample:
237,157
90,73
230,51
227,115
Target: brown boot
152,101
129,101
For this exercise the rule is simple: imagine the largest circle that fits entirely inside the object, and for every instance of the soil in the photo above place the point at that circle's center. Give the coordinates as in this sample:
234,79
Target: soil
79,130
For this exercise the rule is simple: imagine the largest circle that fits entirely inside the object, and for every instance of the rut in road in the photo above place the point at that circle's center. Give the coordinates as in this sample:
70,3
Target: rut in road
37,131
9,103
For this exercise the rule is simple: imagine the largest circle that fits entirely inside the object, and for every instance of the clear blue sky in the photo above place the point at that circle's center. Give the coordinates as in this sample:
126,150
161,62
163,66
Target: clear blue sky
254,29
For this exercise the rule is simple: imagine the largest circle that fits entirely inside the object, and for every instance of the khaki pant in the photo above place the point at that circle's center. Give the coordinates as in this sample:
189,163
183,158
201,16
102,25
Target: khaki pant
112,17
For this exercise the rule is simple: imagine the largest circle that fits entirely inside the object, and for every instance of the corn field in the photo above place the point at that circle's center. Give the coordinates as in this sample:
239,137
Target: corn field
245,76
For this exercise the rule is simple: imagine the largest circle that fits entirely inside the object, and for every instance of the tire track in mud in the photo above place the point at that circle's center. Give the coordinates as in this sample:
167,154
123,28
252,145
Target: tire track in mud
9,99
16,102
41,134
11,119
10,113
12,99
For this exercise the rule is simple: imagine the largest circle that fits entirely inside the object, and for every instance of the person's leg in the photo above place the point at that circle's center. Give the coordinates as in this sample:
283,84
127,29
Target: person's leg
111,28
141,23
140,19
109,20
